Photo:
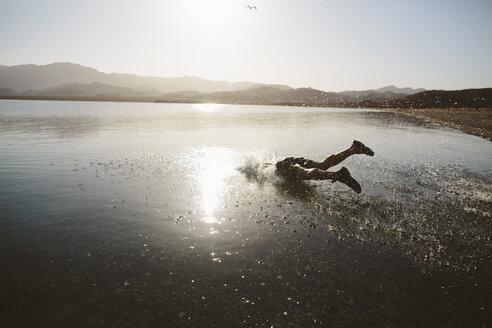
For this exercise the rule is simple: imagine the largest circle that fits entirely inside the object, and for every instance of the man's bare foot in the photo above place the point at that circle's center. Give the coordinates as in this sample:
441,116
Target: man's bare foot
360,148
345,177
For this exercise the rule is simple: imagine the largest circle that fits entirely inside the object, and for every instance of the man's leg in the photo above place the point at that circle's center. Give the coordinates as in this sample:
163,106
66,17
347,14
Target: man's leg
332,160
342,175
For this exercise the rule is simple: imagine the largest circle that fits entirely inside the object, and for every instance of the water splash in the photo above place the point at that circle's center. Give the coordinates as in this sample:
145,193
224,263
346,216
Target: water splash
260,171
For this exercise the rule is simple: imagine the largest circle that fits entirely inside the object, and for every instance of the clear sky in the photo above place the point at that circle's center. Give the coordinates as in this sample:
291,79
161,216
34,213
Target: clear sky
331,45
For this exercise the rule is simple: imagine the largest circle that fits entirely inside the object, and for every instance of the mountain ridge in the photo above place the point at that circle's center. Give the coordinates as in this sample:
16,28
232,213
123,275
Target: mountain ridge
22,78
67,81
26,77
404,90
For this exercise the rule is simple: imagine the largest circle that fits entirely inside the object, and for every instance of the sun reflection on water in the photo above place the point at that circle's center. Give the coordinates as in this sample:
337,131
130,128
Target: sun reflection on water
207,108
215,167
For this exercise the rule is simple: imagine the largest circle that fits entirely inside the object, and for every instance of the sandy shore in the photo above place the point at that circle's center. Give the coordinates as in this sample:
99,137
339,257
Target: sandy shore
473,121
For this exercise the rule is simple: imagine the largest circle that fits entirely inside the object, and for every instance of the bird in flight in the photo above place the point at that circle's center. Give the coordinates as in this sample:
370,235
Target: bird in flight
250,7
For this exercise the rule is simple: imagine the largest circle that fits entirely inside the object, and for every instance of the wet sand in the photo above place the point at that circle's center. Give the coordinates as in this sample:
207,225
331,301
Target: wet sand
476,121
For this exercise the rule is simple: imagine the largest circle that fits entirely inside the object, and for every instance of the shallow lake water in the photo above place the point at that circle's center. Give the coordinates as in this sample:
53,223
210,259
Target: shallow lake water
141,215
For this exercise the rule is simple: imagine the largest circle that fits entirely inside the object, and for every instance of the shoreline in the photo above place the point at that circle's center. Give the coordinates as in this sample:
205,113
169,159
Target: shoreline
474,121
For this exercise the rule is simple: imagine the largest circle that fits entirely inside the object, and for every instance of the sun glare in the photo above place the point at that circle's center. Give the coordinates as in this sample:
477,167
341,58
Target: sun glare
211,13
207,108
216,167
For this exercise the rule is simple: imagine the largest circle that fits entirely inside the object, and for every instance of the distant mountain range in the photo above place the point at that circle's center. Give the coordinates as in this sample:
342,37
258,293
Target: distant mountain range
469,98
59,78
73,81
472,98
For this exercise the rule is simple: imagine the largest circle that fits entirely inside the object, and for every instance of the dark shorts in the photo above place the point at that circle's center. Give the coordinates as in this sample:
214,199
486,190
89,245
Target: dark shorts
288,168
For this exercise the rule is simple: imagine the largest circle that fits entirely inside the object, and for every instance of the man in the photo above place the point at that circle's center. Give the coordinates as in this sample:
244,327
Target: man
299,168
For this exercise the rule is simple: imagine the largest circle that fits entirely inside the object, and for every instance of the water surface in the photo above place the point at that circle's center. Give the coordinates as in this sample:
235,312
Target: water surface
127,214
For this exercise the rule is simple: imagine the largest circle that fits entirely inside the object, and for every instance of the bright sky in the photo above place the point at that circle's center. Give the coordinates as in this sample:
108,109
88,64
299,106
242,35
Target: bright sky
331,45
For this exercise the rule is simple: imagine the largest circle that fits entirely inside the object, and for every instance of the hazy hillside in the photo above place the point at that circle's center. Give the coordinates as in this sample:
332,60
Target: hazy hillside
33,77
22,78
7,92
385,93
470,98
89,90
72,81
311,97
265,95
396,90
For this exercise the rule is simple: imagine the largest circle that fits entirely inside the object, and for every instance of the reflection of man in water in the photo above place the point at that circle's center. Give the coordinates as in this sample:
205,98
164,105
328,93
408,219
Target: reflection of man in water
299,168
